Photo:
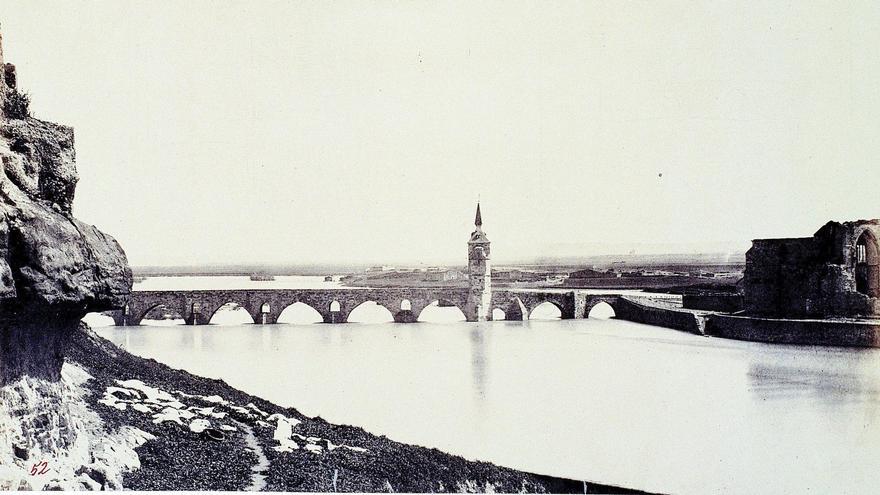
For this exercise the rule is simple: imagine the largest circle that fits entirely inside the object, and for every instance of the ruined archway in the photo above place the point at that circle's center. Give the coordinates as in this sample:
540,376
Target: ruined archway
868,265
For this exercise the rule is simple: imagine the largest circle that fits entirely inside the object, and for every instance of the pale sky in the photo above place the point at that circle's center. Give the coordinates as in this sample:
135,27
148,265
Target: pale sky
298,132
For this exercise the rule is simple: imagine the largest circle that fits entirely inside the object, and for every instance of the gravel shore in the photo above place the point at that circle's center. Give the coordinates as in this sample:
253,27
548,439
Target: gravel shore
265,446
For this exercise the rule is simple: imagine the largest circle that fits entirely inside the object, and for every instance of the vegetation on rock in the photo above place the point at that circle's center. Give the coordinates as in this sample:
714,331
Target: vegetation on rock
17,105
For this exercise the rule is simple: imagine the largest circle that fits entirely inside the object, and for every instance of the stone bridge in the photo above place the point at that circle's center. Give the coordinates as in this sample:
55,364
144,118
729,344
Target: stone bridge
197,307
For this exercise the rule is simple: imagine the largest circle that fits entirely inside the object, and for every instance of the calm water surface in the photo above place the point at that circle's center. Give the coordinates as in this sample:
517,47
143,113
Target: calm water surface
603,400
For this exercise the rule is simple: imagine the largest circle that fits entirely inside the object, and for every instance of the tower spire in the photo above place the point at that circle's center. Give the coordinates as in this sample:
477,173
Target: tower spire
478,221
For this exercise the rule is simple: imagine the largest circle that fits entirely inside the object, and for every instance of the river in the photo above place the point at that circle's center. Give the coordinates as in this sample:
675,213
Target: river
599,399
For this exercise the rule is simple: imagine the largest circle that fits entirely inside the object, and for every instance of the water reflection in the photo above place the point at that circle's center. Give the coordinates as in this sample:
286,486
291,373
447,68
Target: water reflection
605,400
478,337
832,375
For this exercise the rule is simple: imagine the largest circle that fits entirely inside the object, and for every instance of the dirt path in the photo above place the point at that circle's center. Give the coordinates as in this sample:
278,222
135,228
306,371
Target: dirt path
258,478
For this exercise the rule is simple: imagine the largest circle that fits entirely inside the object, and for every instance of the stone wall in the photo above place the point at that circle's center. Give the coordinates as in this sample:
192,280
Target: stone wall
726,303
795,331
687,321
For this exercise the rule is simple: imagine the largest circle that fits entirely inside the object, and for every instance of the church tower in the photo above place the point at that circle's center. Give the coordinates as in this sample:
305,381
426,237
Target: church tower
479,304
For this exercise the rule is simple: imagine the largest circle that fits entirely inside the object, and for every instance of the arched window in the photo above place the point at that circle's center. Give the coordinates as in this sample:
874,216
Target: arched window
868,265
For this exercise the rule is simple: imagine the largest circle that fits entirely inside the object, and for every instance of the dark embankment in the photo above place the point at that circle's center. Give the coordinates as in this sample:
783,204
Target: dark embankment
180,459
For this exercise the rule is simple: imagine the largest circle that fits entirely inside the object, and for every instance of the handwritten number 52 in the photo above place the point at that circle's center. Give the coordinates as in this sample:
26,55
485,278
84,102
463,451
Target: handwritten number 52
40,468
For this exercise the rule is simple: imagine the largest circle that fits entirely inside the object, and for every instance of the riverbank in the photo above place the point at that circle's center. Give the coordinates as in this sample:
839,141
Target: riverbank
265,446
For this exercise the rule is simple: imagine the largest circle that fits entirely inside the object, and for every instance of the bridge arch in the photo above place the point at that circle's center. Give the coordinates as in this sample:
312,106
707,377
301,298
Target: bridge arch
441,311
232,307
369,311
138,316
546,310
601,310
498,314
607,307
299,313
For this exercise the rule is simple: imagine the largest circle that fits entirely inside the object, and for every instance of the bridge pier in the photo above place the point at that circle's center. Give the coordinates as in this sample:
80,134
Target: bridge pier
333,317
120,319
405,316
197,319
580,305
266,319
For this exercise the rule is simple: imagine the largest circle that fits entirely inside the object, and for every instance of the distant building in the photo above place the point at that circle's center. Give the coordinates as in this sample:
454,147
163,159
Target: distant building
590,273
507,275
380,268
518,275
443,275
834,273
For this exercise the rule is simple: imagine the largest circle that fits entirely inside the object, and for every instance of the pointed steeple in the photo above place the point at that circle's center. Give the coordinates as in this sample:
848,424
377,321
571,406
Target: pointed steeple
479,220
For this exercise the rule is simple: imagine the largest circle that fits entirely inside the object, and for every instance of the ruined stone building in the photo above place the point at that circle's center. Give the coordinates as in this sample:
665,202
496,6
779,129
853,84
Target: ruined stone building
834,273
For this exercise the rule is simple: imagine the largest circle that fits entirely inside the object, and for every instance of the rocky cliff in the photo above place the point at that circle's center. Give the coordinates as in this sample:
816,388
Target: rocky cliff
53,268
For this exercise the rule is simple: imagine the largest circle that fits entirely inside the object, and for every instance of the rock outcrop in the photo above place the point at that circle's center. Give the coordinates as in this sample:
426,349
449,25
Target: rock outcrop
53,268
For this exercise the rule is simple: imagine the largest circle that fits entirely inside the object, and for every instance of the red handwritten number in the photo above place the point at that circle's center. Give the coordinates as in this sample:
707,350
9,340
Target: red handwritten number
41,467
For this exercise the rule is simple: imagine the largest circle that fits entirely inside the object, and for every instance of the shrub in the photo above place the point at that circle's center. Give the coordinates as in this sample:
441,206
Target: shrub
17,105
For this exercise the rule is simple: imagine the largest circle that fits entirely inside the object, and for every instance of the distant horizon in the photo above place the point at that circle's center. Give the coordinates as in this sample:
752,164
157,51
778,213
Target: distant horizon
583,261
